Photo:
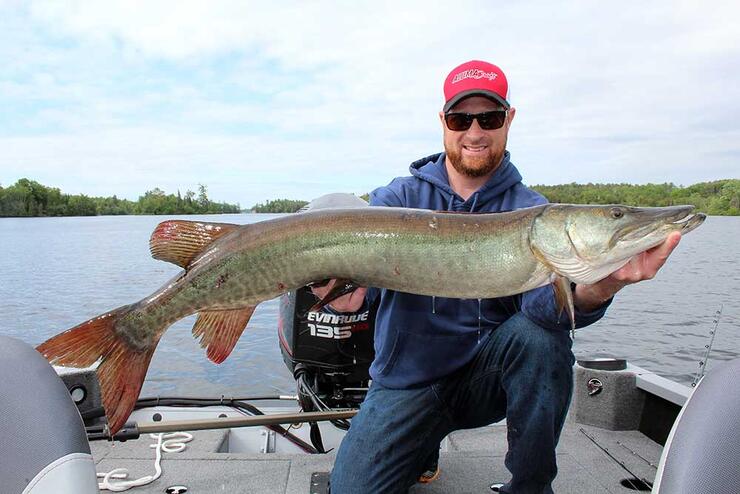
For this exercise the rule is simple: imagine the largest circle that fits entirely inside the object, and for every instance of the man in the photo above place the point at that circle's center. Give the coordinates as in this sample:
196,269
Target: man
448,364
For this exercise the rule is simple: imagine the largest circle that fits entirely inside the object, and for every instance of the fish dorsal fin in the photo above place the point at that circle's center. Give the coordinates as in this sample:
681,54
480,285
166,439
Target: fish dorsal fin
219,330
180,241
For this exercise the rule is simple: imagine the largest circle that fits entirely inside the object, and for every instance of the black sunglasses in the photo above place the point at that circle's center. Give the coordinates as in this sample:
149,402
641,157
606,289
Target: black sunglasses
488,120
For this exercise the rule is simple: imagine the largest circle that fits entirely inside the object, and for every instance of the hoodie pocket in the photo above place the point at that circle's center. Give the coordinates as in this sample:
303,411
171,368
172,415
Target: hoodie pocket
392,355
417,358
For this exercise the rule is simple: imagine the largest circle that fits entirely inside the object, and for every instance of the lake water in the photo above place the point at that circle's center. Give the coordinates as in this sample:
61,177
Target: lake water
58,272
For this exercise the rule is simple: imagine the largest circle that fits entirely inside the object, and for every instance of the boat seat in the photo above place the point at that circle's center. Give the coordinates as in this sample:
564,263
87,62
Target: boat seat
702,452
43,444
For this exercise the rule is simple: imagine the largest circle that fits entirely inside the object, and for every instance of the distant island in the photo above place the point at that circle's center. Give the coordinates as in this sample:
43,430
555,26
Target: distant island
279,206
721,197
29,198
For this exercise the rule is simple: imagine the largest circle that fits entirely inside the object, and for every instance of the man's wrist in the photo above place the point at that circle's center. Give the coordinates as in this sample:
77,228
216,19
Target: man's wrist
590,297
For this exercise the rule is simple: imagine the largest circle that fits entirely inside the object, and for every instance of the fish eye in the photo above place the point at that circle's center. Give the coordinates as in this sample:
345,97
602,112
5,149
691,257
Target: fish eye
617,213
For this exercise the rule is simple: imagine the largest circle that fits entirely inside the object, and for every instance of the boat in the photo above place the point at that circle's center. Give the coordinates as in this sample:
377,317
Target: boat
628,429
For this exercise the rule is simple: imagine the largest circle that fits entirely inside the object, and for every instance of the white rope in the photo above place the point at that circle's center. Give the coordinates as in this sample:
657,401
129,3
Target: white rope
168,443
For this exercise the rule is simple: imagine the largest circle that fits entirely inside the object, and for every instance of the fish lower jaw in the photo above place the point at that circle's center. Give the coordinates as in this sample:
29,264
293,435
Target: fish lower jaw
686,219
690,222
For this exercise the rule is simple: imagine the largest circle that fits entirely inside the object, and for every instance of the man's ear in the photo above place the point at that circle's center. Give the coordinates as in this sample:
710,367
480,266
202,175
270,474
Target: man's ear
510,117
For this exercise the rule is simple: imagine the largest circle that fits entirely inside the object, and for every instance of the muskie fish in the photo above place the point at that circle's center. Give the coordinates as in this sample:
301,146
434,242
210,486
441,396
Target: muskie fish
229,269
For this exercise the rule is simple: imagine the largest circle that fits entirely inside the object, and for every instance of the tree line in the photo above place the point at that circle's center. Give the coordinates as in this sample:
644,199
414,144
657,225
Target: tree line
29,198
720,197
279,206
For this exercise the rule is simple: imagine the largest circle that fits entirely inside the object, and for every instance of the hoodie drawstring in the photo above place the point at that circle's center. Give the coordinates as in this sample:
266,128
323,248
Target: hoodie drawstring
475,202
451,202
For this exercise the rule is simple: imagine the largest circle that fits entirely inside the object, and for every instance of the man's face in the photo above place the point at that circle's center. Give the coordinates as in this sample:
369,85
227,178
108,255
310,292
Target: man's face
476,152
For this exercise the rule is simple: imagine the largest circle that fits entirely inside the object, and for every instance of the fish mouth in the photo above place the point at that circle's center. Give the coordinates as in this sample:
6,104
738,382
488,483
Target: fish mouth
690,222
659,222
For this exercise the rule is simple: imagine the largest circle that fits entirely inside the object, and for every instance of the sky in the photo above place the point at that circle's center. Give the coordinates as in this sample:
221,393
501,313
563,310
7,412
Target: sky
298,99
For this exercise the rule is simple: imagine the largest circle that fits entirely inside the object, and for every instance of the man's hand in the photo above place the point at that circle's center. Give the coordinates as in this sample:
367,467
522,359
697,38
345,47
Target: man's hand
643,266
350,302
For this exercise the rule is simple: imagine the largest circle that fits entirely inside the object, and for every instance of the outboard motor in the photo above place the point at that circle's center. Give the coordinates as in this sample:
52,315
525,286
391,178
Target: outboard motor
328,353
43,444
702,452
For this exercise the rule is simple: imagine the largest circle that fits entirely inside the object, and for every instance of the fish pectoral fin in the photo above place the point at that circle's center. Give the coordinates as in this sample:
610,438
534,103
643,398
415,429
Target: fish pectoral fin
564,299
219,330
180,241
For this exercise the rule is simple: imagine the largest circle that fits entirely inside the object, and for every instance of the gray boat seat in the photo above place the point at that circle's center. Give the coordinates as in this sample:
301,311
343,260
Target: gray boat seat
702,453
43,444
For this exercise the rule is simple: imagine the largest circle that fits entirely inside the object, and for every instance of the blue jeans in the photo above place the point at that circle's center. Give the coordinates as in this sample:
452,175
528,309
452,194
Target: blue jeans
522,372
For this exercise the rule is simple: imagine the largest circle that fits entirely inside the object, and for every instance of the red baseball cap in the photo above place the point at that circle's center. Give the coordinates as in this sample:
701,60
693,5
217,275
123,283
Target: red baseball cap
476,78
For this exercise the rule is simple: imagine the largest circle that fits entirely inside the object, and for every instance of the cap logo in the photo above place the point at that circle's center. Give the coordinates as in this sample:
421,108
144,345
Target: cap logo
474,74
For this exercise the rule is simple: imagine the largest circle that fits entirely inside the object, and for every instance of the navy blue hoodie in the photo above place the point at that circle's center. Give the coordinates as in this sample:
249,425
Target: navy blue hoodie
419,339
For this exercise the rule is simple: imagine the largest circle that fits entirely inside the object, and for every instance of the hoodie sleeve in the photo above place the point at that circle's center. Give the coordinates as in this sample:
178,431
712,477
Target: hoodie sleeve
539,306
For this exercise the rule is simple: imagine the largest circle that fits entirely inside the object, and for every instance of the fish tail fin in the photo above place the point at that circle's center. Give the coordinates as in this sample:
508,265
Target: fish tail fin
121,370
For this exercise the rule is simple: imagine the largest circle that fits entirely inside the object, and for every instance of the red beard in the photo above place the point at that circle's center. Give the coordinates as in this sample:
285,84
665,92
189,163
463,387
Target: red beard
475,167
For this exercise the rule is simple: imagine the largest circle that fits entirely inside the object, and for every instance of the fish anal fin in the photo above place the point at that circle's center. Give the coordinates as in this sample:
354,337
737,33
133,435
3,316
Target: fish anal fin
180,241
219,330
121,370
564,299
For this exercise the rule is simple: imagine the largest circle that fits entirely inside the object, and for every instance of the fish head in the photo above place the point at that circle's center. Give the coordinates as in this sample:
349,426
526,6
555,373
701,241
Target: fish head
587,243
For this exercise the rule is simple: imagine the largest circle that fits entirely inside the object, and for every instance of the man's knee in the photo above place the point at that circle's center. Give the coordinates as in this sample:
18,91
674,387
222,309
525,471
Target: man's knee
537,369
536,342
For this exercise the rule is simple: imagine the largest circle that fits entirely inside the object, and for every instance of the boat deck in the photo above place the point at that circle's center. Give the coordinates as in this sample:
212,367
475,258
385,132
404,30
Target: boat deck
473,460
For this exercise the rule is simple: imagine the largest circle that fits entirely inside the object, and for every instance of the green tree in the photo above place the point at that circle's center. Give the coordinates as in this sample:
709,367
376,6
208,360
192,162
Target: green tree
81,205
152,202
279,206
203,201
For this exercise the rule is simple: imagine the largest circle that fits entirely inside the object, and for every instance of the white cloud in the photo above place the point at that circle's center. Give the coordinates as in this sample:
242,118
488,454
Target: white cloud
125,96
128,162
